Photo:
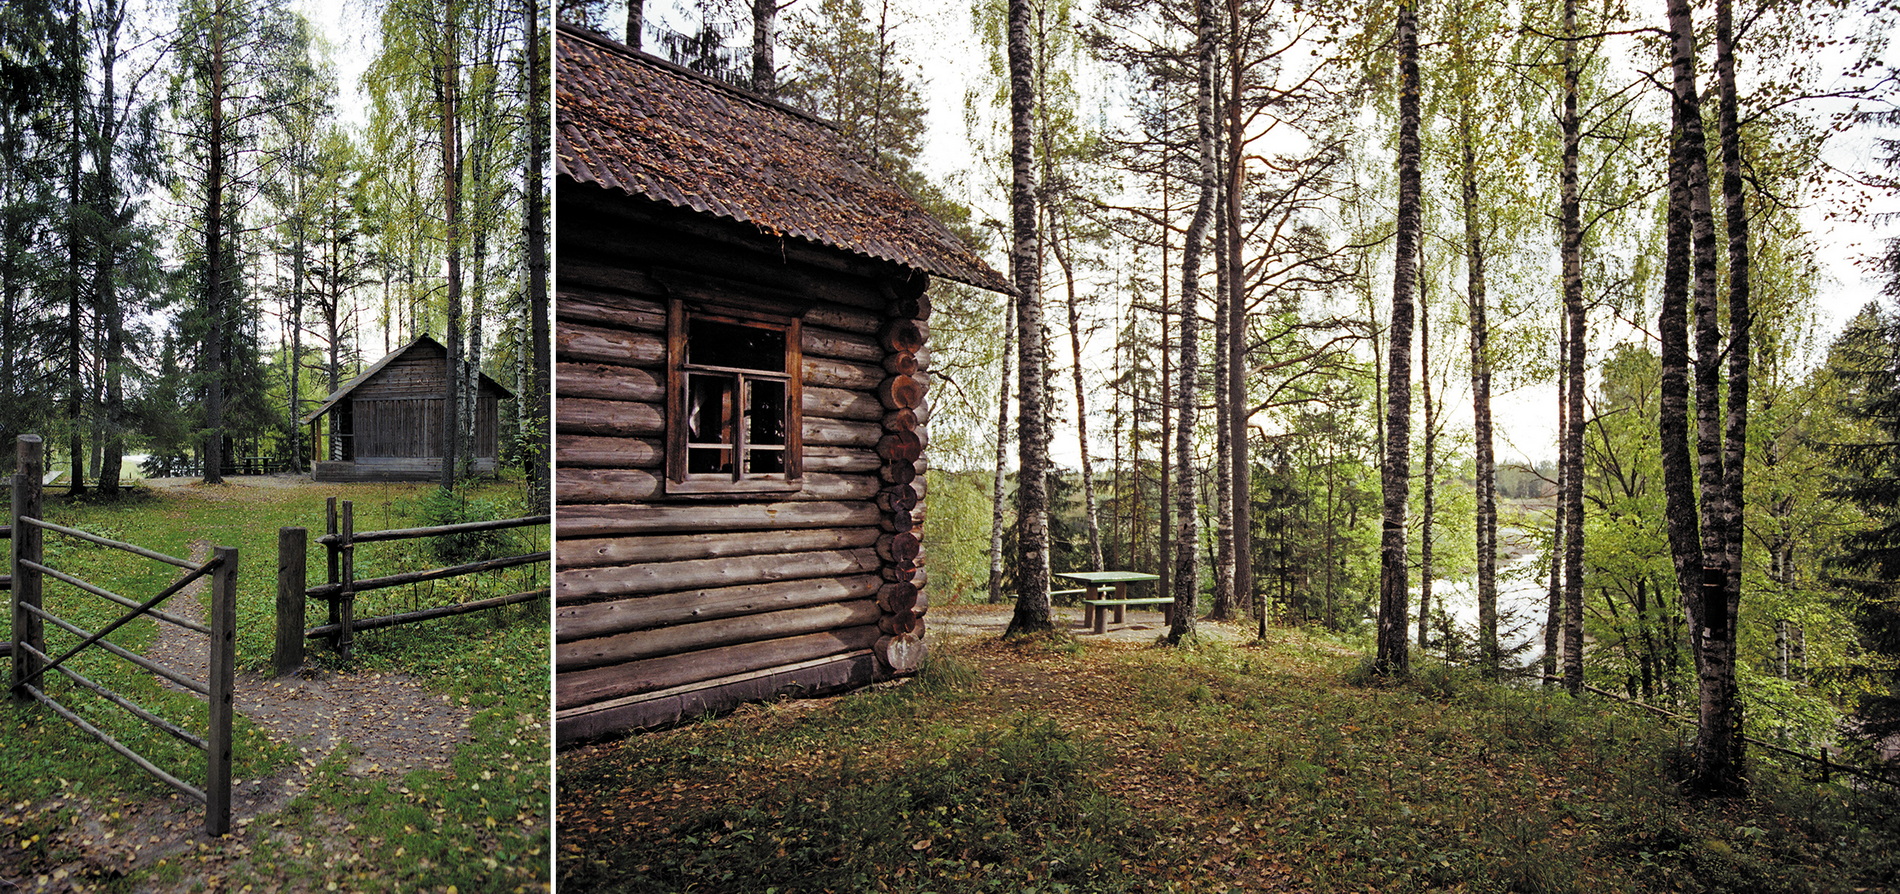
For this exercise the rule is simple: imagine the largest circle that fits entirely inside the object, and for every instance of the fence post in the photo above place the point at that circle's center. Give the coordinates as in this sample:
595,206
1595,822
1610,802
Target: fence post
223,658
292,581
346,600
29,635
331,553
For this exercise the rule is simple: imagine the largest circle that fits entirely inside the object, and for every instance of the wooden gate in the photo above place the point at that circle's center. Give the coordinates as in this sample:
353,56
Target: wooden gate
32,662
341,584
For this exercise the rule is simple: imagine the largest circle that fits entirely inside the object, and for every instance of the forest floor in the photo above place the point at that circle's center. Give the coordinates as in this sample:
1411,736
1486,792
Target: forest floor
1084,763
418,765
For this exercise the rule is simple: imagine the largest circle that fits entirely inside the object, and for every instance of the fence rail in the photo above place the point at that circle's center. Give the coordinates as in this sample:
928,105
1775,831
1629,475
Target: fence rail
341,585
1827,764
33,663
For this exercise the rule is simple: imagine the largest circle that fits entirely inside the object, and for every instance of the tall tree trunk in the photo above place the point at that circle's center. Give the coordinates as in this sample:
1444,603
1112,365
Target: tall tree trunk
1554,611
111,314
1187,393
1235,307
1571,456
1223,553
1740,359
1429,510
213,451
1701,579
448,83
764,70
1164,510
1032,487
535,223
1057,240
1485,463
1391,659
999,513
75,252
635,15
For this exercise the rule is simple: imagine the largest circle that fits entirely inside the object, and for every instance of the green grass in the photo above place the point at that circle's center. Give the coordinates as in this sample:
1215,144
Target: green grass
479,825
1203,769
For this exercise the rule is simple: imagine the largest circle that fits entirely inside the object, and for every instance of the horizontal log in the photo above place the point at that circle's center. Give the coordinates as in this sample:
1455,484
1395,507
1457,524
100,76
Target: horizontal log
901,335
594,619
900,623
838,403
646,518
901,363
581,343
598,226
900,446
909,306
902,654
840,459
645,644
898,497
900,392
585,273
606,381
680,547
573,486
694,574
825,372
841,433
586,416
897,597
814,341
614,681
897,473
619,312
597,452
900,549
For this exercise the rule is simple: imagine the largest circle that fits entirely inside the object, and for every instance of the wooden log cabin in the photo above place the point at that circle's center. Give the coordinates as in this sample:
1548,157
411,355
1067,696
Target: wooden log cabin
740,326
386,424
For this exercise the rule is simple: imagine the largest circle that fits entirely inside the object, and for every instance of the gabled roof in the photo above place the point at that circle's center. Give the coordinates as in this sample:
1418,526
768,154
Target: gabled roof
645,127
421,342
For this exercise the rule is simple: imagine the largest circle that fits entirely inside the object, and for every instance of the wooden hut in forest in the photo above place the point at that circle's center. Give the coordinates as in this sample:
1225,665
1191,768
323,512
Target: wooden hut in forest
739,364
386,424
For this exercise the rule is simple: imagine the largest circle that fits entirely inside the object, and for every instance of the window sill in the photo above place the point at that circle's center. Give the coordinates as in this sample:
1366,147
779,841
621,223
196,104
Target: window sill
721,485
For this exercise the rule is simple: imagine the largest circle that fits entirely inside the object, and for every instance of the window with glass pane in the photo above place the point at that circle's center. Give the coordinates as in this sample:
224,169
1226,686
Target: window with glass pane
733,413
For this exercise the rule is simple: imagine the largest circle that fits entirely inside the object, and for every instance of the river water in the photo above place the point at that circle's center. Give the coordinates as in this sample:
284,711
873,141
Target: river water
1523,601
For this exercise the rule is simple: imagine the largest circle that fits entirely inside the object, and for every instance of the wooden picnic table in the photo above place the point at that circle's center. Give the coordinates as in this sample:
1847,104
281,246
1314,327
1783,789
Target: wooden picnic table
1094,607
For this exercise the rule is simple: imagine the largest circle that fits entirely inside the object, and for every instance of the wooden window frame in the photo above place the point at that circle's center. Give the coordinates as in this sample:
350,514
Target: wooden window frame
679,480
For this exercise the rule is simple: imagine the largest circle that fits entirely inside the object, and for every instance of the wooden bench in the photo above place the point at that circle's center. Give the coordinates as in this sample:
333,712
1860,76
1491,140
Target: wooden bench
1094,611
1055,593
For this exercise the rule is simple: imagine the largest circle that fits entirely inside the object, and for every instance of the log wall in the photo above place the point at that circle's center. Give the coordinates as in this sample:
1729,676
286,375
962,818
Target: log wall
669,606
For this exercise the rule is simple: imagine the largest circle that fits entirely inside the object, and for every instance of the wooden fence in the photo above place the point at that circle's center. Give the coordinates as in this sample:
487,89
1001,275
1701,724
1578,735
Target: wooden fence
1824,760
32,662
341,585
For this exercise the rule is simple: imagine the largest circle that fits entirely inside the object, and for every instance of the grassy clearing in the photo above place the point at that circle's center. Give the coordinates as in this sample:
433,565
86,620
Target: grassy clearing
478,825
1215,768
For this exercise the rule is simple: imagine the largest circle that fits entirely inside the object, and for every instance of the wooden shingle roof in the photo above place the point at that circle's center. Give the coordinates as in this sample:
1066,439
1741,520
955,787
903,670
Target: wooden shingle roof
627,121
